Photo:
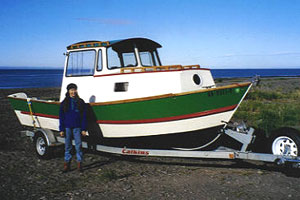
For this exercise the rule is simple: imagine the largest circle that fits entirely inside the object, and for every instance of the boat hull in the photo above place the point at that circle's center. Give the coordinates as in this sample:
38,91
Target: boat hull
190,139
150,116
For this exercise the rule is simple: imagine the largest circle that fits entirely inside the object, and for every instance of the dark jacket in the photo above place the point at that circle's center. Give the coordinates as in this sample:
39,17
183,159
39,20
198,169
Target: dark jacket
73,118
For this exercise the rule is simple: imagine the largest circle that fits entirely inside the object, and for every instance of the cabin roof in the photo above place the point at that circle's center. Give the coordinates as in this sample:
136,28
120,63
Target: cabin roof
124,45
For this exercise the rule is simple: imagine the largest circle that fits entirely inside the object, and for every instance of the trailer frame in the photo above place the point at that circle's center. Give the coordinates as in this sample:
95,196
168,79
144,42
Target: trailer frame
240,133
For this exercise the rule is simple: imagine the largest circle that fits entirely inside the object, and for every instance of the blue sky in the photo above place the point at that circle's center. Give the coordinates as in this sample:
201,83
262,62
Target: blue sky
215,34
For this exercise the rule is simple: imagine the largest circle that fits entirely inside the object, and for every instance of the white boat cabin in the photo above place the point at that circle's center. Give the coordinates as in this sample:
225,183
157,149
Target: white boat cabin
126,69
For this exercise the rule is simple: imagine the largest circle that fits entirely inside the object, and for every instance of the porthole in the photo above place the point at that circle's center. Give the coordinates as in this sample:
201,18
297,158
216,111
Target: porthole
197,79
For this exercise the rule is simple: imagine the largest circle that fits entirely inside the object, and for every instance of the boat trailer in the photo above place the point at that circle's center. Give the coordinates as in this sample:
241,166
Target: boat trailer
46,139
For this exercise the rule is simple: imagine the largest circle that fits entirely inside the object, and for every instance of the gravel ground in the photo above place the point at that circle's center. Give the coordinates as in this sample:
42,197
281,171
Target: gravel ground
24,176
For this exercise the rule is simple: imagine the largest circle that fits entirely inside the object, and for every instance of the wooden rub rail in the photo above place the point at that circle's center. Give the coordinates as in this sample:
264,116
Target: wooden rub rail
158,68
88,45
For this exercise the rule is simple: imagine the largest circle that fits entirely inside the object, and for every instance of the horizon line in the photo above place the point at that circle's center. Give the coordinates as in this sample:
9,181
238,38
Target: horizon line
233,67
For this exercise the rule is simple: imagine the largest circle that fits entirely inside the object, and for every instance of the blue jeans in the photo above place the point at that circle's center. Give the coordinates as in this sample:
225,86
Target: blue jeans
76,133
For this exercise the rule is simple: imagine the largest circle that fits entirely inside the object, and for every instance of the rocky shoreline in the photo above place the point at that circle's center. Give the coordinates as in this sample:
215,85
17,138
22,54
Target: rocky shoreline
24,176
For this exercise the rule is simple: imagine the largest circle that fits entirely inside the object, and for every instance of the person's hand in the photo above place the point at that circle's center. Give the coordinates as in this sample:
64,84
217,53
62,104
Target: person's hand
83,133
61,134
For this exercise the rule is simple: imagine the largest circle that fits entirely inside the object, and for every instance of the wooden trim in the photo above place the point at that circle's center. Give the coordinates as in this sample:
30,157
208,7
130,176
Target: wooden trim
133,100
170,95
148,98
157,68
33,100
141,72
192,66
94,44
217,88
152,68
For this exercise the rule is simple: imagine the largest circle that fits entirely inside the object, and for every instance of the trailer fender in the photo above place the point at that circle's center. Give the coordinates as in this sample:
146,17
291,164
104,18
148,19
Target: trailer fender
49,135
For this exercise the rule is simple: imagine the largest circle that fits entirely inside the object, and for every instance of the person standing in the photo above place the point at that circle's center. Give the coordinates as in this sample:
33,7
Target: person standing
72,124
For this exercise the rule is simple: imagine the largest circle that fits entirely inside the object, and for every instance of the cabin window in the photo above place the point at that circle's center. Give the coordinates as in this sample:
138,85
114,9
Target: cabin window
99,66
117,60
129,59
121,87
146,59
81,63
113,60
149,58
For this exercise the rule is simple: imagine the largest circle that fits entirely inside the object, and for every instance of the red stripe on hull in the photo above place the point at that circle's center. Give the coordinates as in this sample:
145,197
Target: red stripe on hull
40,115
165,119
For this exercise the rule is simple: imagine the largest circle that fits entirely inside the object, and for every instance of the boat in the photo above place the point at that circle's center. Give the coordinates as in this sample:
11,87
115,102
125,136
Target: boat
134,100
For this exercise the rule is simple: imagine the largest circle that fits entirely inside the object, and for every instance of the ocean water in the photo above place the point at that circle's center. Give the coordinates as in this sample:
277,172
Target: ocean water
30,78
40,78
235,73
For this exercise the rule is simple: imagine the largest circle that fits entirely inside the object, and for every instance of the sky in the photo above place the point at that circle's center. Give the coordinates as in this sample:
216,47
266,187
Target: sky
212,33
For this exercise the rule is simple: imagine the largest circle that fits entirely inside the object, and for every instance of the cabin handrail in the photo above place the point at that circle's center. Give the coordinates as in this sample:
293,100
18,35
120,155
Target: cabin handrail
158,68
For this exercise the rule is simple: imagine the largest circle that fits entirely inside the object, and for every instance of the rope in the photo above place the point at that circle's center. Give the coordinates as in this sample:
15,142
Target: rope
31,113
197,148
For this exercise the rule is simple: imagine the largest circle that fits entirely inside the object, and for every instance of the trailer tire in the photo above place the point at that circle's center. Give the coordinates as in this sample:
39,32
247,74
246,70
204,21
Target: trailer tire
285,141
41,146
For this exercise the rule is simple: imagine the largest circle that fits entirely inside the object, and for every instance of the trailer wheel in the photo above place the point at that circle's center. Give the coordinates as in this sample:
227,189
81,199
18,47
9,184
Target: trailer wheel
285,141
42,149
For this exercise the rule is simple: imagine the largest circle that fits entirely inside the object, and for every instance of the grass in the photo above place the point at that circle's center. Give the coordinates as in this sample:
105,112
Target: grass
270,109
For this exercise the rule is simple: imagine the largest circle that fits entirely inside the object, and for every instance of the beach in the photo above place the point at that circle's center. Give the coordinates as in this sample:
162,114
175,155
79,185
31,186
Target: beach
24,176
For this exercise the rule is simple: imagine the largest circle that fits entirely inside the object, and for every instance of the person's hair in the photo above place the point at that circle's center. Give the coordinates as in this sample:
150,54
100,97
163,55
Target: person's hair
72,86
67,100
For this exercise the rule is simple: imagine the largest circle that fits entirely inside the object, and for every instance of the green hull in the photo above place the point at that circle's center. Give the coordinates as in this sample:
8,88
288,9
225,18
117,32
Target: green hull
154,109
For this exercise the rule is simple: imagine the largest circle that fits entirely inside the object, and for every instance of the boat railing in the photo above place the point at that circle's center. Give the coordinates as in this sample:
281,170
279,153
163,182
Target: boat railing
158,68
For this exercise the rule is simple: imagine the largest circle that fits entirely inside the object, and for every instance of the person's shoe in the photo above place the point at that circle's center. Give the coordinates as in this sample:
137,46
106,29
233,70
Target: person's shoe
66,167
79,167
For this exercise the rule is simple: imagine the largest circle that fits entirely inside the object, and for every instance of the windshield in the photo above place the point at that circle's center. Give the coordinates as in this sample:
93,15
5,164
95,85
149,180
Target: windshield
81,63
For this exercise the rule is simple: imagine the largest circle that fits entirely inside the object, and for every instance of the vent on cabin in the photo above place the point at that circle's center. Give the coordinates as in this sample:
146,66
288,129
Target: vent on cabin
121,87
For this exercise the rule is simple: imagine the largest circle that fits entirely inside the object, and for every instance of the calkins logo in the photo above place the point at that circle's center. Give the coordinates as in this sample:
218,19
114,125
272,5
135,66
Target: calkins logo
135,152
